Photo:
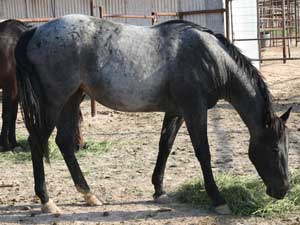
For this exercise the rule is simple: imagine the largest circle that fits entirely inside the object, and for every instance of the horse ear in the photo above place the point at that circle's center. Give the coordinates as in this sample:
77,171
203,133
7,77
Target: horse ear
286,115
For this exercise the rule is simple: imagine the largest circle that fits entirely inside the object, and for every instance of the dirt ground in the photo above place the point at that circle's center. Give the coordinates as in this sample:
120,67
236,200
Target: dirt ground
121,177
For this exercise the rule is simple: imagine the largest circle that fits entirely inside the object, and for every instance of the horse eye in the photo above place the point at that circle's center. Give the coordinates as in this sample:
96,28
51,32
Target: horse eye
276,150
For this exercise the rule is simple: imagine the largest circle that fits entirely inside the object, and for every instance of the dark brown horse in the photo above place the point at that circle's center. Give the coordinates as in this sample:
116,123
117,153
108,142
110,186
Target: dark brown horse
10,31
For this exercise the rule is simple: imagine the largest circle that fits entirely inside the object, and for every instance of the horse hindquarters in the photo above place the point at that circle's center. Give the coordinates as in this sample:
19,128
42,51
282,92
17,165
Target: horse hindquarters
34,112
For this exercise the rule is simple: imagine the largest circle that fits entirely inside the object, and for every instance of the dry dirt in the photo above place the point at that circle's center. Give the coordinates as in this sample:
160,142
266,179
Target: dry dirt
121,177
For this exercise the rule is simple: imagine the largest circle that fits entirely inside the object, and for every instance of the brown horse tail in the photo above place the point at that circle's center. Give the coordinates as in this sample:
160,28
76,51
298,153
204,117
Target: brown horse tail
31,98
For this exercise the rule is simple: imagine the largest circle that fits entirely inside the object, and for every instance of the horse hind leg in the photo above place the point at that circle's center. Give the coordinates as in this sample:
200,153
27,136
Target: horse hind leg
171,125
66,142
48,206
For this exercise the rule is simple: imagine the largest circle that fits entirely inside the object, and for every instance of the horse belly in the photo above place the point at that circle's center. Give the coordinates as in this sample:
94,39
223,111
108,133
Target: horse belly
119,92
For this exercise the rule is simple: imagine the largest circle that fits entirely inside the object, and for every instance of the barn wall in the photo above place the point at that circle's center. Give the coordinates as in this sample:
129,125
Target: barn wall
245,26
50,8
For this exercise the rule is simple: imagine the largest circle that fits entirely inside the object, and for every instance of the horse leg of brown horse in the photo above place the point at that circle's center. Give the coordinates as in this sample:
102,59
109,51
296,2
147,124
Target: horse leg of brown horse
78,134
12,125
6,117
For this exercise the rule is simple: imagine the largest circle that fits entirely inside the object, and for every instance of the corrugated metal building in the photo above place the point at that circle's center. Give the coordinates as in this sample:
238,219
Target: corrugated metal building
244,16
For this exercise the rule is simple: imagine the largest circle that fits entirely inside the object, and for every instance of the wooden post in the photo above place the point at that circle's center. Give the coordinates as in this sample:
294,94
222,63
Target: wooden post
100,11
92,4
93,102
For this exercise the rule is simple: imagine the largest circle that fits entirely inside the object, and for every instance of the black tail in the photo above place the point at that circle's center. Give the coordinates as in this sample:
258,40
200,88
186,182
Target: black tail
31,97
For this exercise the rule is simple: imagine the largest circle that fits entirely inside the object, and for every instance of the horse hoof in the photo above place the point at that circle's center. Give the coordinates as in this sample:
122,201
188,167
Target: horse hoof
223,210
163,199
50,207
92,200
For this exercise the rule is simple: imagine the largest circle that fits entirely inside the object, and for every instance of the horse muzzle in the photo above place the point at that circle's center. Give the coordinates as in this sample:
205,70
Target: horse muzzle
277,193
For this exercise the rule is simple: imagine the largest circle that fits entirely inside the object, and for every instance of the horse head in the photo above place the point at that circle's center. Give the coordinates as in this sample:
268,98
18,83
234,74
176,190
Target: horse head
268,152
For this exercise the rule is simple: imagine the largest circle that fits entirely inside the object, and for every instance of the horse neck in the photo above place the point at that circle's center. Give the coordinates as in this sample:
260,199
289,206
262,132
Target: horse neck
247,99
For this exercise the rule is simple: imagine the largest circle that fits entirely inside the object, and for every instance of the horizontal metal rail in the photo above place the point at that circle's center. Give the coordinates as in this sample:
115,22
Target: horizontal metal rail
262,39
275,59
128,16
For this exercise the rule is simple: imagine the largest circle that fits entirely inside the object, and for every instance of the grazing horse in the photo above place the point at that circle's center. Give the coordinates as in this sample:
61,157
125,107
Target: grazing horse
176,67
10,32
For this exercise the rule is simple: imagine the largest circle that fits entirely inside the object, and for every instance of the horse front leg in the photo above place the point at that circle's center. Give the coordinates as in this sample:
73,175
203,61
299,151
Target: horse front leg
171,125
196,122
65,140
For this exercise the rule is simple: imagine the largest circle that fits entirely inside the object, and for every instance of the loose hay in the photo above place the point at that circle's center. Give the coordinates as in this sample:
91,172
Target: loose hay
245,196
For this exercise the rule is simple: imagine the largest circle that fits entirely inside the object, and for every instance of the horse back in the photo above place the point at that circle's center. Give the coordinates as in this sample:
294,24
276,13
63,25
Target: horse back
123,67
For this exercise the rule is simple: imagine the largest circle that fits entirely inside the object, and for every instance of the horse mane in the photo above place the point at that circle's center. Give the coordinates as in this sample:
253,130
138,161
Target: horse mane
244,63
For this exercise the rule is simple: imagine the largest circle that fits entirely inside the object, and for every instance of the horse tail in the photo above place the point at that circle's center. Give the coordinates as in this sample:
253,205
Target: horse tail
31,97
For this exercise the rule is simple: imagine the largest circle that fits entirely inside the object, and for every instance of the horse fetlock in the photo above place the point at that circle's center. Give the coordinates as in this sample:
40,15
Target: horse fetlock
92,200
50,207
81,190
222,210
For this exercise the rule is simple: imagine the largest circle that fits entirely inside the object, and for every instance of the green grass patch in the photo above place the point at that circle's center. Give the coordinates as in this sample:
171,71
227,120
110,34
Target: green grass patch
92,148
245,196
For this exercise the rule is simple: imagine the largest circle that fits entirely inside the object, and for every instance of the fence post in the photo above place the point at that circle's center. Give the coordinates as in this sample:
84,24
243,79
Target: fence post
100,11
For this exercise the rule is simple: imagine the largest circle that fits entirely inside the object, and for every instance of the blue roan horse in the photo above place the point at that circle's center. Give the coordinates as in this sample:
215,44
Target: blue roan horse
176,67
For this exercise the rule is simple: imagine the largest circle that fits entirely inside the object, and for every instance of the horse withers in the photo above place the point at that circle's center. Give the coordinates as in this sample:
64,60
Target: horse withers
176,67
